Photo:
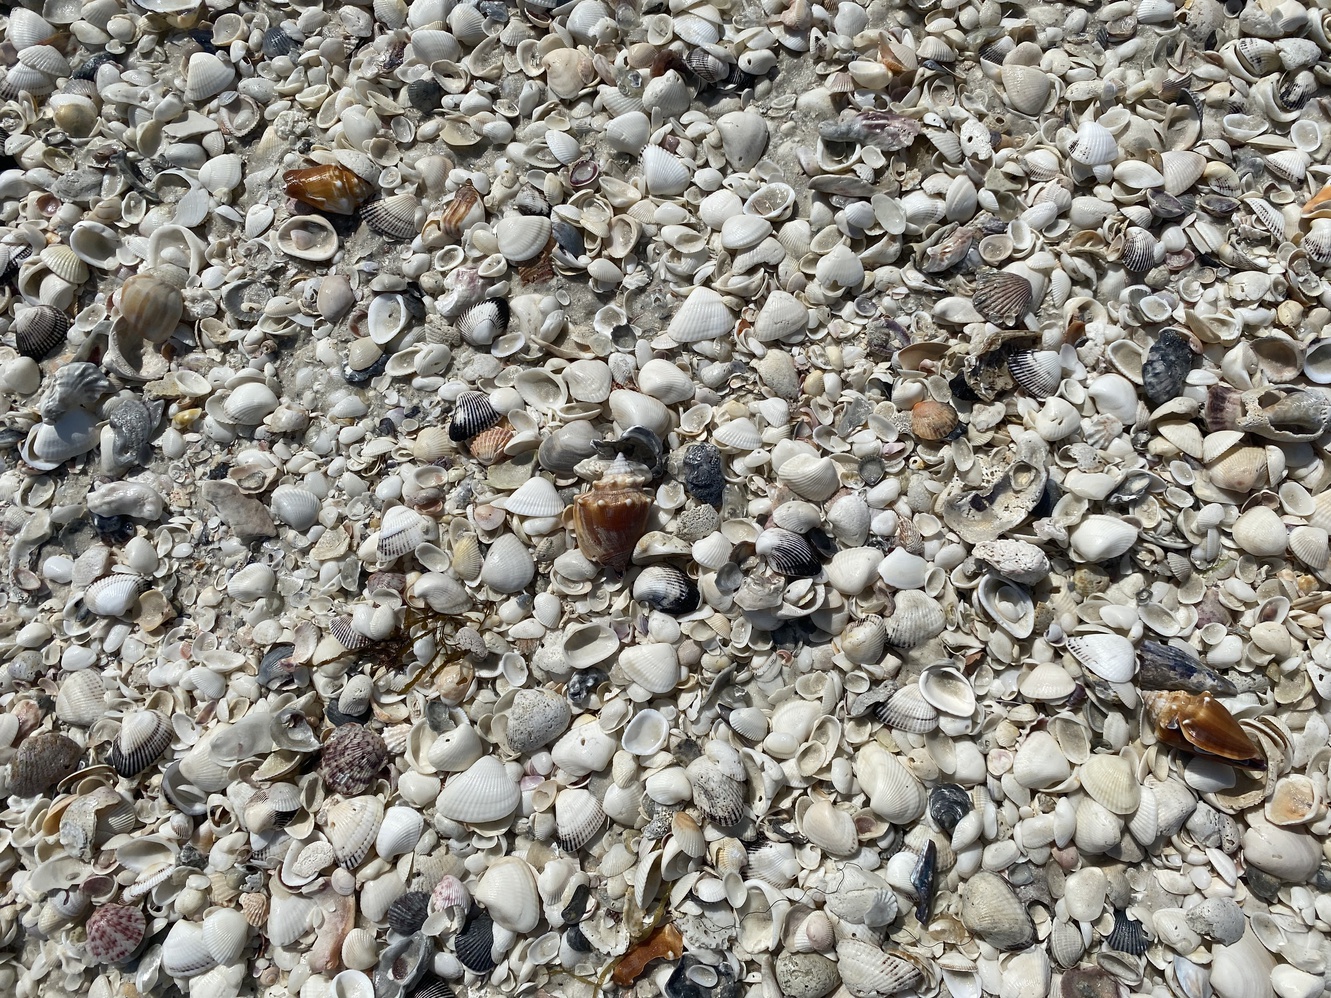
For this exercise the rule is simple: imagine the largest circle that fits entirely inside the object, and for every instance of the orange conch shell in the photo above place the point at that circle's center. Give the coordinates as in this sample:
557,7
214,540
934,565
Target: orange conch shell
611,517
1200,724
665,942
330,188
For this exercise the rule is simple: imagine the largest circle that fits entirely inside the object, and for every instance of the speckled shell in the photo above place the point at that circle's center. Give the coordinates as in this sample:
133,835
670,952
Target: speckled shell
42,761
114,932
351,759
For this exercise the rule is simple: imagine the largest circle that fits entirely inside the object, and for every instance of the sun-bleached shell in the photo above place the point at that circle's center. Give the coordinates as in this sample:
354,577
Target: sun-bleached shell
483,793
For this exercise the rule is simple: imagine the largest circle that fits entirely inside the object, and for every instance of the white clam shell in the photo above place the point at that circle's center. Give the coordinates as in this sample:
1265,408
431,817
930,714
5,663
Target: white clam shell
225,933
115,595
250,403
1110,656
665,382
296,506
508,566
654,667
702,316
184,952
521,237
782,316
646,734
307,237
812,477
534,497
508,891
399,832
483,793
207,76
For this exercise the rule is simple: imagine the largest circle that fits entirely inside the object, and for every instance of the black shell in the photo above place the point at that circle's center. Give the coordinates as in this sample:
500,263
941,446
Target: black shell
39,330
666,588
430,986
492,313
577,942
392,217
475,942
408,912
923,880
425,95
276,668
577,904
703,478
472,414
788,553
582,684
1128,935
948,804
88,69
1168,667
1166,366
638,445
133,762
277,42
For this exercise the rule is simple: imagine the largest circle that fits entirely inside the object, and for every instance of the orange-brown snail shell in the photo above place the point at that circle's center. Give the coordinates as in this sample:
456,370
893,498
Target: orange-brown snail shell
329,187
610,518
1200,724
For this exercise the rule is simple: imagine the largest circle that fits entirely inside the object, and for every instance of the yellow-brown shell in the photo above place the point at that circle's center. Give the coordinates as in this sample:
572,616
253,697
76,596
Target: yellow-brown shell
930,420
328,187
150,307
1200,724
609,519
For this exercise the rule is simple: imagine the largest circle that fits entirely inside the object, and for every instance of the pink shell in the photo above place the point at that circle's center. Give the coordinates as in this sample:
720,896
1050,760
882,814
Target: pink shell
114,932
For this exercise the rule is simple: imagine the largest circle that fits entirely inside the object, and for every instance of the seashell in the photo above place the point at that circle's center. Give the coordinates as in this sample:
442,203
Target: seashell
810,477
401,531
991,910
1093,145
703,316
508,891
39,330
115,595
1127,935
646,734
1027,87
1198,723
393,217
867,971
522,237
908,710
508,565
224,934
1170,667
113,933
948,691
787,553
481,325
1099,538
1002,297
666,589
81,699
830,829
578,817
331,188
666,174
894,793
703,477
535,497
206,77
27,28
1141,250
1038,372
475,942
1165,370
933,421
398,833
407,912
307,237
351,758
917,618
718,796
1111,782
295,506
472,413
1109,656
250,404
144,736
654,667
151,307
351,827
482,794
611,517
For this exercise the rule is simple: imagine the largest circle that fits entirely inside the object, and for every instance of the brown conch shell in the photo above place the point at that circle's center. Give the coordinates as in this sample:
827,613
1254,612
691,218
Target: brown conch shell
331,188
611,517
1200,724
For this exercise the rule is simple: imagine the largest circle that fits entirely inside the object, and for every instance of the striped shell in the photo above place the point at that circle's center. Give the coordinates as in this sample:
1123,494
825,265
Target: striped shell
144,736
40,330
472,414
393,216
351,759
1002,297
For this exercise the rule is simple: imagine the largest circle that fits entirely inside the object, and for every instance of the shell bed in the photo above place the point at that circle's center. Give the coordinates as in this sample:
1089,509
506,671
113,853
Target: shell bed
713,499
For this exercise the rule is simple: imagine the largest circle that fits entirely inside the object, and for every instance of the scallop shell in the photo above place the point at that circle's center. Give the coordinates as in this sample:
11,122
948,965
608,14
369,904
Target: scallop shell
665,173
115,595
810,477
472,413
916,619
206,76
114,932
482,794
41,761
867,971
522,237
654,667
1038,372
393,216
352,826
1027,88
401,531
351,759
1109,656
39,330
578,817
1093,145
1002,297
787,553
667,589
933,421
81,699
144,736
703,316
1111,782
